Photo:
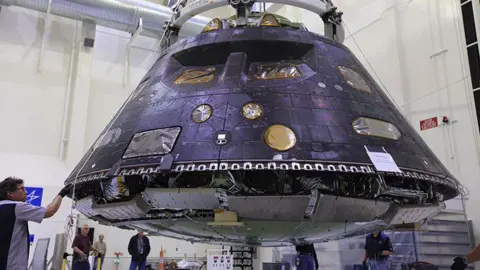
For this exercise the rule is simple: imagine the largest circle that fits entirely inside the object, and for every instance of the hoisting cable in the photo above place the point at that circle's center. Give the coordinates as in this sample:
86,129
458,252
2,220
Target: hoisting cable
72,219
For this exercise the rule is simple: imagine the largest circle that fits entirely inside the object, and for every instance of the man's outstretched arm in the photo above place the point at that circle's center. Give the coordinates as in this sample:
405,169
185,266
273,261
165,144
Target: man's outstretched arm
52,208
460,263
27,212
474,255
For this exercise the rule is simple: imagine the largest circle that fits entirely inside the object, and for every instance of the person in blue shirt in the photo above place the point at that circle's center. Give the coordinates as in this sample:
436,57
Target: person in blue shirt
378,247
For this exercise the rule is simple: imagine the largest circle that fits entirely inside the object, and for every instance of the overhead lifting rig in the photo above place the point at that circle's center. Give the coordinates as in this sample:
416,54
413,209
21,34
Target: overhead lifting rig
182,13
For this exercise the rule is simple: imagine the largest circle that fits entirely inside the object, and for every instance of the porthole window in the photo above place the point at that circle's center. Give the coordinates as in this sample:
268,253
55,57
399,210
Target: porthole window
252,111
354,79
202,113
376,128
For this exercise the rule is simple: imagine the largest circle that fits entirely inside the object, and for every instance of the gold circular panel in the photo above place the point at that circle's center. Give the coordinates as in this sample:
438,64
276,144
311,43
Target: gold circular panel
202,113
280,137
252,111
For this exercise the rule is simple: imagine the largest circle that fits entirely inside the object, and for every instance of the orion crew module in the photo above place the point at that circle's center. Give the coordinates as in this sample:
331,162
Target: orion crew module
259,132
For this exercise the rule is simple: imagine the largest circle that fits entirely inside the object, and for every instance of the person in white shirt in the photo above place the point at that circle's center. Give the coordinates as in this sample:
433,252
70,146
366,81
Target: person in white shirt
101,246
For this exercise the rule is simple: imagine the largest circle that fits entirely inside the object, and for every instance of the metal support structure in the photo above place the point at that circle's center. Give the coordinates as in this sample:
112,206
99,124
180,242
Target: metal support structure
138,32
415,248
243,8
332,19
46,31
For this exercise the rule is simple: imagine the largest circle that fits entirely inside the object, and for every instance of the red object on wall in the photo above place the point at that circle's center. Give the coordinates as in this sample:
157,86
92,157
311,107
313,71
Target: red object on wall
429,123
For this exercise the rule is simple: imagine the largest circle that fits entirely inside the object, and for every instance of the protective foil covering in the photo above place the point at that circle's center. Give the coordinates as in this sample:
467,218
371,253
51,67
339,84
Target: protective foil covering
153,142
115,188
277,71
213,25
194,76
269,20
354,79
377,128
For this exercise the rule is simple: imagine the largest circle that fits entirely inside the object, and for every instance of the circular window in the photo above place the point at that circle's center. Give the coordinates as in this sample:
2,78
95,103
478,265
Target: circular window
202,113
252,111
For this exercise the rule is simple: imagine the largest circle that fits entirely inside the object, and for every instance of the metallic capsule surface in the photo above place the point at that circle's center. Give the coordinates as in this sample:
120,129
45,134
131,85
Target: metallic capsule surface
269,123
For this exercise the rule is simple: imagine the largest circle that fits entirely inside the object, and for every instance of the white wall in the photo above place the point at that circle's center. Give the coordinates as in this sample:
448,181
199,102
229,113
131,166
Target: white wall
421,61
417,49
32,110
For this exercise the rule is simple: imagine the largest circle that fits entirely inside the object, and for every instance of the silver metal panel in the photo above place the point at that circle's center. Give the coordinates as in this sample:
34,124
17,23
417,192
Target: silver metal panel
184,198
332,208
85,207
348,230
136,208
291,208
412,214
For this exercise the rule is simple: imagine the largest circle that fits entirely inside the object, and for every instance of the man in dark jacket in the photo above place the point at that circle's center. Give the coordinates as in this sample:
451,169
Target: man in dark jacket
139,248
306,257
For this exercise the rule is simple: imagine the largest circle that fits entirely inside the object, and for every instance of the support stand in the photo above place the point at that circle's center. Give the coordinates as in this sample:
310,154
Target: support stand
39,260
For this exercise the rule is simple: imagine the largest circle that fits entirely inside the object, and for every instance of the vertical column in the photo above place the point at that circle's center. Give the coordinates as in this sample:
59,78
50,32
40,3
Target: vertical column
80,83
263,254
404,81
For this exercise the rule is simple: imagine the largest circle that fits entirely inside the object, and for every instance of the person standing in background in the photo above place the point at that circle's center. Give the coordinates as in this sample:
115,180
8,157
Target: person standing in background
306,257
139,248
101,246
378,247
82,246
15,213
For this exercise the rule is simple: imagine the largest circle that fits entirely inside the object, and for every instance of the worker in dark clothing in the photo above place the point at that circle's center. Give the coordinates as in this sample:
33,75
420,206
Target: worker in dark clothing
306,257
378,247
139,248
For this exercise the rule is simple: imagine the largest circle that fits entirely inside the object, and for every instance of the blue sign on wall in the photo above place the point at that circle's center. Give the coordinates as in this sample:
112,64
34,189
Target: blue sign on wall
34,195
32,237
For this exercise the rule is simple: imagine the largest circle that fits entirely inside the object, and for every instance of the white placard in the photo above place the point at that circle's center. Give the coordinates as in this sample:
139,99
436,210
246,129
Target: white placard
383,161
220,262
